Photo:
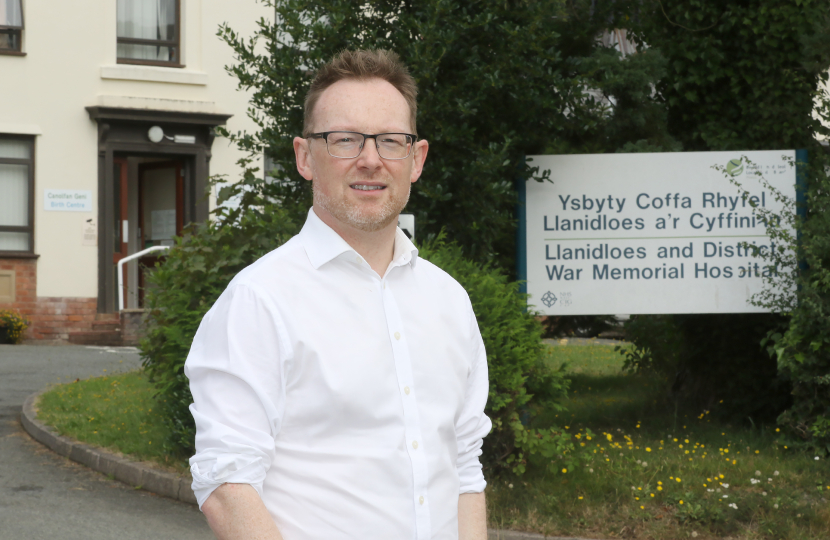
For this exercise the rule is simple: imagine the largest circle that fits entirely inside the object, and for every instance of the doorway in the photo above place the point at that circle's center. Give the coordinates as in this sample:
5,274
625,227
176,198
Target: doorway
123,137
149,206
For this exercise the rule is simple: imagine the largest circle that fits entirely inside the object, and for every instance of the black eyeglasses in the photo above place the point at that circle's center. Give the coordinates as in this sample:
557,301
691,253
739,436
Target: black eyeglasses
349,144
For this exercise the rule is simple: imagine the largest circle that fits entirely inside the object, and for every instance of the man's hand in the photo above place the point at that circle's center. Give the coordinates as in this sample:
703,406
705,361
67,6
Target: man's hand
472,517
236,512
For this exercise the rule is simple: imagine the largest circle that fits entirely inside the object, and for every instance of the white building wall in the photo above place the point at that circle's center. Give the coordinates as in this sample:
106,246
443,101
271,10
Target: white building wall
70,64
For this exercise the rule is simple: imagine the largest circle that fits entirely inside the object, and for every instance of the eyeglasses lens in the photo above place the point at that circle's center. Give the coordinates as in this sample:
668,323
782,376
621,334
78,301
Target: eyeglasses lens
344,144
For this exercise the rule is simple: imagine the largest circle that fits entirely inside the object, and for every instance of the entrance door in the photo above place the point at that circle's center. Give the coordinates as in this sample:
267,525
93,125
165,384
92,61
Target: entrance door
160,211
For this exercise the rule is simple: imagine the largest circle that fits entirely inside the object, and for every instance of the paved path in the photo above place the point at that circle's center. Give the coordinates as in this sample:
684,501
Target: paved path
44,496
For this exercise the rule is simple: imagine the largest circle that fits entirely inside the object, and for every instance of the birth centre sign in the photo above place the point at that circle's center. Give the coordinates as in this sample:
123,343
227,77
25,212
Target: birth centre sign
651,233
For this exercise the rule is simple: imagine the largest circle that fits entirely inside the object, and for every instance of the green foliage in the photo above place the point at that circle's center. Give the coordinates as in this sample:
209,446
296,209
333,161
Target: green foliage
182,289
658,471
12,326
747,76
803,347
203,262
522,385
635,121
740,75
779,292
498,81
657,345
712,362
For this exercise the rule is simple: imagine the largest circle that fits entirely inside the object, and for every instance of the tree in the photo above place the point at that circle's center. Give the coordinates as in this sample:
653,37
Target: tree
747,75
743,75
498,80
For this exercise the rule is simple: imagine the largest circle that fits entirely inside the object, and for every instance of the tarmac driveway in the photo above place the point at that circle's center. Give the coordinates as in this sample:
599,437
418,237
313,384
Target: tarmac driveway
45,496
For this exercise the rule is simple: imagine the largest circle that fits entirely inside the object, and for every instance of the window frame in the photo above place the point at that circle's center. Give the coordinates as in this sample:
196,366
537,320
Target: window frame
18,30
30,228
174,43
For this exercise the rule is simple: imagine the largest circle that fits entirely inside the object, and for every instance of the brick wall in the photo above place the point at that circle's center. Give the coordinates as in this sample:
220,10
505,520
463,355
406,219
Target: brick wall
132,326
50,318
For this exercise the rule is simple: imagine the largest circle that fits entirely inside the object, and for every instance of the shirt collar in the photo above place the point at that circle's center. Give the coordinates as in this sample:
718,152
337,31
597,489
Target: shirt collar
322,244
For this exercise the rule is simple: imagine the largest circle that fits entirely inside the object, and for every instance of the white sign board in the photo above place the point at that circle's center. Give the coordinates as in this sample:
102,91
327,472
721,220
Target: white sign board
67,200
649,233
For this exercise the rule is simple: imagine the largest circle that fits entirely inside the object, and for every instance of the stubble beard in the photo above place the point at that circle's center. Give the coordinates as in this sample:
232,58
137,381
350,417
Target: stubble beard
360,217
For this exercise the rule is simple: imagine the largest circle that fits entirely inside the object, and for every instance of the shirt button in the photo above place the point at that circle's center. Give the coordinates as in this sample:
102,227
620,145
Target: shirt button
406,390
421,499
384,285
397,335
415,445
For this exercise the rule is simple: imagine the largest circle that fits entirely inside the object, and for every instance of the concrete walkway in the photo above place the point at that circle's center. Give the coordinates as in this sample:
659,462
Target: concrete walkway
45,496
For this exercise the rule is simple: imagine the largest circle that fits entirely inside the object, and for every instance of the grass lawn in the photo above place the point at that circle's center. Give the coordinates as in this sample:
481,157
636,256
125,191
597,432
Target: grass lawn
650,471
647,470
115,412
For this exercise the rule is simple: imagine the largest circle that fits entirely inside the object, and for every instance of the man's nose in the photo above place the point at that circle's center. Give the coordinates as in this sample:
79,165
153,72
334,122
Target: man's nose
369,156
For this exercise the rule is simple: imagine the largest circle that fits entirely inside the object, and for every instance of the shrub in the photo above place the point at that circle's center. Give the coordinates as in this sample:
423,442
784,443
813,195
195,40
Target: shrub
202,263
521,383
12,326
712,362
184,287
802,348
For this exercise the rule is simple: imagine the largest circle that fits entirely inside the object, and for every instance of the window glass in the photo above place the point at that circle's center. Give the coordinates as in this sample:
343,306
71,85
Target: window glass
148,30
15,149
12,241
14,185
11,25
16,162
11,13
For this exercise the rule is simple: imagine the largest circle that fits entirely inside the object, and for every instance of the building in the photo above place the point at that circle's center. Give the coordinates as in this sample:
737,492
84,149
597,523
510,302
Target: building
107,117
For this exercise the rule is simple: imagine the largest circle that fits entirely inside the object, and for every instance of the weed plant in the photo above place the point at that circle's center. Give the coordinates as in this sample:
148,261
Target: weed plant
115,412
652,470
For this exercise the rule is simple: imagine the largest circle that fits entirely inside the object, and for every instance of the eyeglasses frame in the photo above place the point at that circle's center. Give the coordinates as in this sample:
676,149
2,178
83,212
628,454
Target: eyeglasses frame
325,135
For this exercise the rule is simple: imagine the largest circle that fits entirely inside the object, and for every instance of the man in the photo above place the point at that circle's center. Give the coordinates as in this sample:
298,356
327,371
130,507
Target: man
339,382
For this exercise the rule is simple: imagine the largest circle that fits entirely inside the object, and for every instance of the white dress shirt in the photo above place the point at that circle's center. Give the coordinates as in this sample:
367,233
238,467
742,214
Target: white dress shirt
352,403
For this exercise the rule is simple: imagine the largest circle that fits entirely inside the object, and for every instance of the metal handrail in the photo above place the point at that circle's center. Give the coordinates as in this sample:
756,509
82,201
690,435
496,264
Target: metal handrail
121,271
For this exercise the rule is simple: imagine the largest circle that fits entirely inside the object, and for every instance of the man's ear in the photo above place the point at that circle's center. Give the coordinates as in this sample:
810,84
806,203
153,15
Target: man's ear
302,154
420,155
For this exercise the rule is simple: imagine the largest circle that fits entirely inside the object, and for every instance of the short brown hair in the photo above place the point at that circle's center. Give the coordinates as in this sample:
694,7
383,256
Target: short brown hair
363,64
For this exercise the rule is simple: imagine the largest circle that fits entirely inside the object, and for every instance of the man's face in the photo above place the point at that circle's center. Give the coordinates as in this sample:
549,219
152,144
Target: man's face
368,192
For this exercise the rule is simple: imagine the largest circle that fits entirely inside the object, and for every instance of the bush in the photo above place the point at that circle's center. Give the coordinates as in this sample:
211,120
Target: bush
185,286
521,383
803,348
203,262
12,326
713,362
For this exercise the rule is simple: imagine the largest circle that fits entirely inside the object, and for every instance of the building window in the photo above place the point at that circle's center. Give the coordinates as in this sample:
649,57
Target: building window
17,185
148,32
11,26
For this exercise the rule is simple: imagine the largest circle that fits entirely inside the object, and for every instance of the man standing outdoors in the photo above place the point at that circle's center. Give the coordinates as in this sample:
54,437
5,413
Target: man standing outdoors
339,382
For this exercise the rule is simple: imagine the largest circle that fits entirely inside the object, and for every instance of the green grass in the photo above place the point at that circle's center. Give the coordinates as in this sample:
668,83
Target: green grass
115,412
649,470
645,468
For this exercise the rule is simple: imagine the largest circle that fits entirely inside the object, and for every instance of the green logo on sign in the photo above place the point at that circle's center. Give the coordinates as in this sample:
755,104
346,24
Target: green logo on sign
734,167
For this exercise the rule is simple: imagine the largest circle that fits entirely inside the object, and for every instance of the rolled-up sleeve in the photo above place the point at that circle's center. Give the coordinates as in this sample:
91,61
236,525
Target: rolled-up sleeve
473,425
236,373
